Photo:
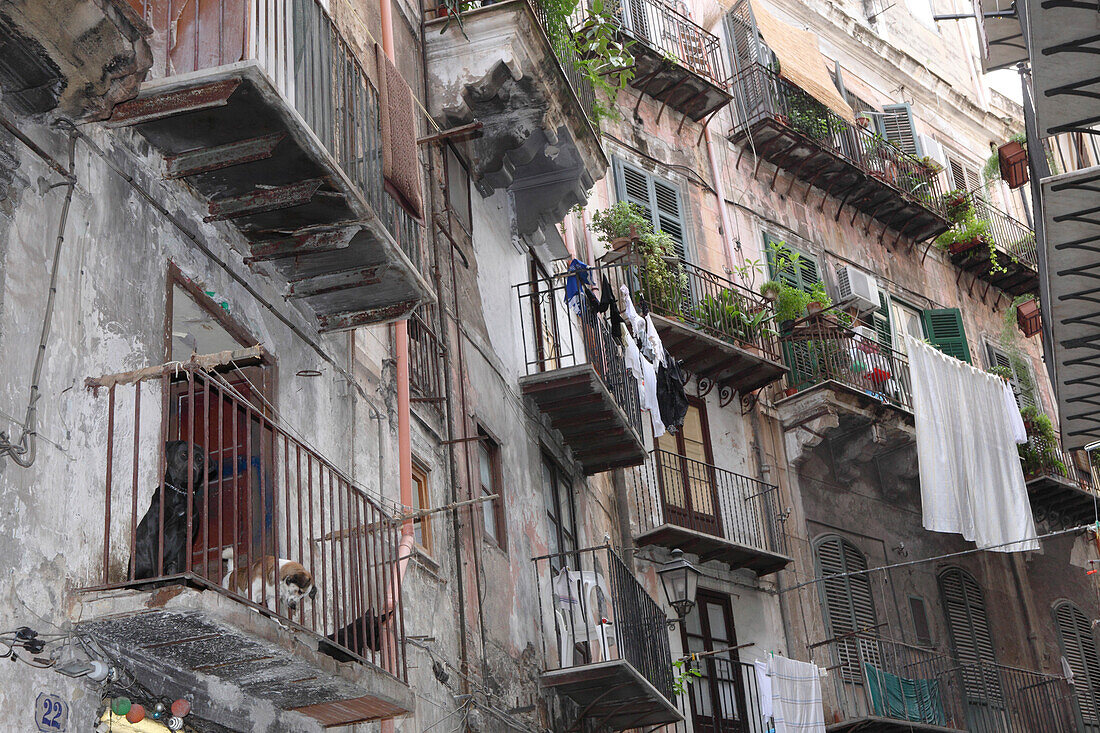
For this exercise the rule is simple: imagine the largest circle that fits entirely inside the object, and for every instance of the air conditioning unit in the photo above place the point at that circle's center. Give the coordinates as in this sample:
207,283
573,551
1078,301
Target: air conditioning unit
933,150
856,289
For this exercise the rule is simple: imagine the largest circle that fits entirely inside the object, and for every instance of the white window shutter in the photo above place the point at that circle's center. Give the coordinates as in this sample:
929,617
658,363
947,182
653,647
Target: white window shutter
897,127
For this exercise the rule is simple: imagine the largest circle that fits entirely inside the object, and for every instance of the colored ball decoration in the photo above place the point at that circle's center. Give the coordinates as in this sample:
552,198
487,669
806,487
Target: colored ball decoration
158,711
136,713
175,723
181,707
120,705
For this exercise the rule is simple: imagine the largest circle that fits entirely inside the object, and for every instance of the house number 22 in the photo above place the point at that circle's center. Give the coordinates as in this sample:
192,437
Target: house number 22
50,713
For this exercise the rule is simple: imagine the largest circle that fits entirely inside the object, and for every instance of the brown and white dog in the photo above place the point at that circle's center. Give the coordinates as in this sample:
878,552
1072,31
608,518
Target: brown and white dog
268,578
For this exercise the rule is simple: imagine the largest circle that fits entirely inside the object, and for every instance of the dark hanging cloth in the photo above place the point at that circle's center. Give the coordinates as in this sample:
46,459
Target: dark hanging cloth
608,304
671,397
579,276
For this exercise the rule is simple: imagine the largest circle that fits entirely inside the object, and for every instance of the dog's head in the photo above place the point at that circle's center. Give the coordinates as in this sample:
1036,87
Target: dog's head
177,461
295,585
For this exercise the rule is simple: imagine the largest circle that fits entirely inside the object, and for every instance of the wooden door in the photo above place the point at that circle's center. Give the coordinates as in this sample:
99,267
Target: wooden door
718,696
686,474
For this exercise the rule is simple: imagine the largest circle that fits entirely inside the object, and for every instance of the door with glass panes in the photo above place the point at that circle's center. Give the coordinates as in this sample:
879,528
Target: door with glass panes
686,474
718,695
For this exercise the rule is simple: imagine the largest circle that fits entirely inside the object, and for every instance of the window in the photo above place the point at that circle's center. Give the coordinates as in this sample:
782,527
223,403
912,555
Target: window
492,511
1078,645
943,327
921,628
422,528
848,604
718,695
968,627
561,515
687,481
964,177
896,125
659,200
458,188
803,274
1023,386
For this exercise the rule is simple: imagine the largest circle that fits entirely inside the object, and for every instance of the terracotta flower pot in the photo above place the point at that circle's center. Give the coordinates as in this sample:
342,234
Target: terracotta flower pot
1012,158
814,307
957,248
1028,318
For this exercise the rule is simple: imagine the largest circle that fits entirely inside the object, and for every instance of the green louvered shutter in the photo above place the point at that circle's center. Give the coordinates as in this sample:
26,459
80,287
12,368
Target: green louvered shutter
881,320
896,125
1078,645
804,276
971,639
660,200
848,603
944,329
1025,397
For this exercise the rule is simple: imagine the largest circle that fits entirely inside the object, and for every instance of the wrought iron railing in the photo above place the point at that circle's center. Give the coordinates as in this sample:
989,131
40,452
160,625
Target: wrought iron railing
425,377
311,64
594,610
674,489
558,333
1003,699
672,35
566,53
1011,237
237,486
725,699
819,350
760,93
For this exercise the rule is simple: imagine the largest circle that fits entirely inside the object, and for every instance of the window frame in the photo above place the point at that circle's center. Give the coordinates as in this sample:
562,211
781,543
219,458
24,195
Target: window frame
492,446
992,351
619,167
560,481
422,495
929,640
450,155
851,647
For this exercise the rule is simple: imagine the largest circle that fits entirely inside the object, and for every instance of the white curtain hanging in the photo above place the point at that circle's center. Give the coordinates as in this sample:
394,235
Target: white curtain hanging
968,426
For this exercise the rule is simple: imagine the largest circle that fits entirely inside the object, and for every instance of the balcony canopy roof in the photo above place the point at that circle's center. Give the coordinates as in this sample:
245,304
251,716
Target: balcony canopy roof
1064,38
800,60
1072,231
1002,39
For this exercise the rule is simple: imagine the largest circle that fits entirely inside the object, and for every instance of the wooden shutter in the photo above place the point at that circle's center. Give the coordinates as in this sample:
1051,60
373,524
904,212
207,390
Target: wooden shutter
804,276
944,329
1024,397
660,200
968,627
1078,646
881,321
896,125
958,174
848,604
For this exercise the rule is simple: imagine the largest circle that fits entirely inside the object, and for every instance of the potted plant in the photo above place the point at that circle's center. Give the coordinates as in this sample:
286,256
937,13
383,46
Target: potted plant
819,299
1028,318
863,121
966,235
621,226
956,205
790,305
931,165
770,290
1040,452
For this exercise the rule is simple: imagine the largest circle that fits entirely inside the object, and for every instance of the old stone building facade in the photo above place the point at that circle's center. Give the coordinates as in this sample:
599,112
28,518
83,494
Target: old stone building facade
306,281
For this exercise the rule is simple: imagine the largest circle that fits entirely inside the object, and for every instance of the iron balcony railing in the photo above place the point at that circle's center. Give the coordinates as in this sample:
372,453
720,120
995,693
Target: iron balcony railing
760,94
819,350
1012,239
672,35
1003,699
311,64
725,699
425,377
673,489
562,329
239,486
873,676
558,32
594,610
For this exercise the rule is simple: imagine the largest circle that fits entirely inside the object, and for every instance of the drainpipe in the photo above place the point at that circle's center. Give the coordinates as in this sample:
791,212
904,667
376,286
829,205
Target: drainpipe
720,194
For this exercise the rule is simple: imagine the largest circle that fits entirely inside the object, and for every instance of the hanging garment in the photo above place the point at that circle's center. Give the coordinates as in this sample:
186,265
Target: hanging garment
900,698
609,305
574,282
637,323
796,696
971,480
671,397
646,377
764,686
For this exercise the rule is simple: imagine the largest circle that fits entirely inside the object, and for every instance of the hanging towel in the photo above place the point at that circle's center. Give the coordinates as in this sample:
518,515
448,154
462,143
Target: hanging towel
400,161
573,284
796,696
971,480
900,698
646,377
764,686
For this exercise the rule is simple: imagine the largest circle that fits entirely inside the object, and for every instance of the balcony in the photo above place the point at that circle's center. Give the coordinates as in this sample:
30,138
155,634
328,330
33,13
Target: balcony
605,641
325,641
675,61
710,512
537,139
794,132
425,355
264,111
576,375
1060,494
1007,258
724,699
722,332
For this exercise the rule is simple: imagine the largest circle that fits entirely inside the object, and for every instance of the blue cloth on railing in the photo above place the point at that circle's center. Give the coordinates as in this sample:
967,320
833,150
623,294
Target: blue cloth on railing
900,698
574,282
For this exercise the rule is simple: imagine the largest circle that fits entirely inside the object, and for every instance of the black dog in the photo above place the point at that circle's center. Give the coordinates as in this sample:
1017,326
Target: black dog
176,544
360,636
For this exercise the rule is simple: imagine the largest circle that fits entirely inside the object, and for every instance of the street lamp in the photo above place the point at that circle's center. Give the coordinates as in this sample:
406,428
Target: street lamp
680,580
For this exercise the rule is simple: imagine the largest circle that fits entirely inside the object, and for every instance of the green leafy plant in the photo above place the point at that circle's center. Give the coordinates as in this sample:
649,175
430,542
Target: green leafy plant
808,116
970,231
683,674
991,171
664,282
956,205
729,315
615,222
595,49
771,289
1040,453
930,164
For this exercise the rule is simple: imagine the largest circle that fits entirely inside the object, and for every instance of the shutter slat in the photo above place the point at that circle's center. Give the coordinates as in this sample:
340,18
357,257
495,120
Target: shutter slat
898,128
659,201
1078,645
944,327
848,604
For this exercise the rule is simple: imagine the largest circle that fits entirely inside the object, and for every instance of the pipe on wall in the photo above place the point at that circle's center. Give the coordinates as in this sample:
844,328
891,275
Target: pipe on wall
720,196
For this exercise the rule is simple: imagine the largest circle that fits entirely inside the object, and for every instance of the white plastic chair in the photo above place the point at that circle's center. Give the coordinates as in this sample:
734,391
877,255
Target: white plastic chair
577,606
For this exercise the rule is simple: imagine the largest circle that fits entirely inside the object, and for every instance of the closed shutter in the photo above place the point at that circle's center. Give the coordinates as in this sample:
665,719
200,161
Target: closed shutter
1025,396
968,627
944,329
896,125
881,321
958,175
803,275
660,201
848,604
1078,646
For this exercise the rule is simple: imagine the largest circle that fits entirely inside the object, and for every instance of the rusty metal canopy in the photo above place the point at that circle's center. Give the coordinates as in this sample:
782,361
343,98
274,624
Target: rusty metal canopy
1072,227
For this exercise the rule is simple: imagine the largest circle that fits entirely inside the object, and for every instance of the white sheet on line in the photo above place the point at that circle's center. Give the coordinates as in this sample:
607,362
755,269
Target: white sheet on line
968,426
796,696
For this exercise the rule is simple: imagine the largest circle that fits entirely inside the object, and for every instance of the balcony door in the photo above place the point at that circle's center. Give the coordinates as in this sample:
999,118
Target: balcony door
688,484
718,696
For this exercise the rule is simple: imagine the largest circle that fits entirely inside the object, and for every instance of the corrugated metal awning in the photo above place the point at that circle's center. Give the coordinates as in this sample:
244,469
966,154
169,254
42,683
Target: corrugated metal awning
800,60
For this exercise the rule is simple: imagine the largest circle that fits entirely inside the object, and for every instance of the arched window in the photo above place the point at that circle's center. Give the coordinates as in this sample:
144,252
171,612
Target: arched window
847,603
971,640
1078,645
